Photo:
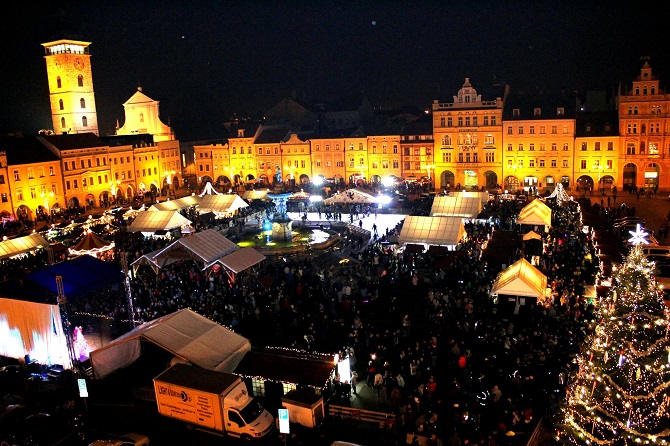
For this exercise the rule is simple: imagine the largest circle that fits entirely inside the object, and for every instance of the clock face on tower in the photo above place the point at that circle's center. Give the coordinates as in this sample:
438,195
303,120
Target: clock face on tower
78,64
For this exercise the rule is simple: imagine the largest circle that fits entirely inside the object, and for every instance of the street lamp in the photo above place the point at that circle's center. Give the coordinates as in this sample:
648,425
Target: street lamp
599,167
428,168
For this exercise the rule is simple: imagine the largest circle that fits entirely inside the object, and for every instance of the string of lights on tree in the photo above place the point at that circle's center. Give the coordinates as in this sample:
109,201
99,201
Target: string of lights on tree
620,392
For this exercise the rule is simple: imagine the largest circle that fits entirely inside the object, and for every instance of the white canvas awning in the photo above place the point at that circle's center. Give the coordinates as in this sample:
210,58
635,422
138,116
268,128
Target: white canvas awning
241,260
483,196
185,333
440,231
521,279
535,213
352,196
20,245
176,205
255,195
457,205
221,204
204,247
148,221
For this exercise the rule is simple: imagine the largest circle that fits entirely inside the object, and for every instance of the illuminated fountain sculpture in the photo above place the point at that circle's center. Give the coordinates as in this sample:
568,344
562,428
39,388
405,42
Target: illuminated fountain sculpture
281,222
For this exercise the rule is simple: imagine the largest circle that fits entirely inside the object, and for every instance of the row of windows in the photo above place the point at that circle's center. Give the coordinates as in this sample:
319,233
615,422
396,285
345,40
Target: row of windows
467,121
84,122
80,82
85,182
82,103
417,151
540,163
33,192
542,129
543,147
31,175
468,139
654,128
596,145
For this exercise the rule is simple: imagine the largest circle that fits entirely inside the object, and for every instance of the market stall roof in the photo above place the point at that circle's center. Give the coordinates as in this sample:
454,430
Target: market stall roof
531,235
456,206
520,279
255,195
241,260
177,205
443,231
80,275
205,247
483,196
288,366
185,333
355,195
149,259
221,203
21,245
91,244
535,213
152,221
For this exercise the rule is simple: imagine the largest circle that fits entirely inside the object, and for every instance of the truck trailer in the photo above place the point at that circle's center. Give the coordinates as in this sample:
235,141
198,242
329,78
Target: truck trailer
216,402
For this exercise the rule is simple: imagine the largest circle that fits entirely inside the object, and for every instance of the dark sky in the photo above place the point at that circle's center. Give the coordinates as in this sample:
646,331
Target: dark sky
205,61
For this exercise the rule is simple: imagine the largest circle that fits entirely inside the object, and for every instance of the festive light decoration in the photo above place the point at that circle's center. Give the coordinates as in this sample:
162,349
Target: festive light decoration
639,236
623,401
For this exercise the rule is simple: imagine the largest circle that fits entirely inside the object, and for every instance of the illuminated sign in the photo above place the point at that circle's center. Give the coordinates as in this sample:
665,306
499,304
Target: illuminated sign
284,427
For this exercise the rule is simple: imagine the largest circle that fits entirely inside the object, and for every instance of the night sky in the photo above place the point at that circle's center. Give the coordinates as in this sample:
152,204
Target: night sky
207,61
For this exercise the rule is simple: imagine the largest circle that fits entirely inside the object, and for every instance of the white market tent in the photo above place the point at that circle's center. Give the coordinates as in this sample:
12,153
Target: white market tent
176,205
483,196
20,245
352,196
204,247
240,260
435,231
456,206
152,221
521,279
221,203
535,213
185,334
255,195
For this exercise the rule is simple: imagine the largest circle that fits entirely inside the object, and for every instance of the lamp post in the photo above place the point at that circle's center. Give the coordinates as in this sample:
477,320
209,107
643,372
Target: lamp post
428,168
599,167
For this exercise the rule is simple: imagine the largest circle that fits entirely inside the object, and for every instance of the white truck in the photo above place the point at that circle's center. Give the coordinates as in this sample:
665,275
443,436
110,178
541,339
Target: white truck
216,402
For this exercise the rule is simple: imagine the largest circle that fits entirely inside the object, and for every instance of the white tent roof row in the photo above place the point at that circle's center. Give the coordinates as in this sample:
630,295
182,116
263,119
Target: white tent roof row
456,206
483,196
520,279
355,195
437,231
535,213
20,245
185,334
218,203
147,221
176,205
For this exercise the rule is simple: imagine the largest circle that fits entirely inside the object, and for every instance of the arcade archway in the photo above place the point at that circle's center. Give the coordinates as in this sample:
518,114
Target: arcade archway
447,179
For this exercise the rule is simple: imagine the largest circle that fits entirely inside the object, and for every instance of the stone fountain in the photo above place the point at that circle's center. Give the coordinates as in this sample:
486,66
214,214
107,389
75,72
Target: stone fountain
281,222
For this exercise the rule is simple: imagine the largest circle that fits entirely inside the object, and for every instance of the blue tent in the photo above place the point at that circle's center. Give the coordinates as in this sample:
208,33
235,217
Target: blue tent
81,275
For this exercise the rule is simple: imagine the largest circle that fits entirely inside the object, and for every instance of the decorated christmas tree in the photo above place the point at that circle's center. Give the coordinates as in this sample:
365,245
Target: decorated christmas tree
620,392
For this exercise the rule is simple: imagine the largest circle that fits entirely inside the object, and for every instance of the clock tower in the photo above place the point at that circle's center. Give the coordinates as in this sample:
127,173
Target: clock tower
71,86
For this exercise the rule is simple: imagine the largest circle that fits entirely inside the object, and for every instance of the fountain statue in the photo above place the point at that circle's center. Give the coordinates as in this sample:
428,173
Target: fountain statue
281,222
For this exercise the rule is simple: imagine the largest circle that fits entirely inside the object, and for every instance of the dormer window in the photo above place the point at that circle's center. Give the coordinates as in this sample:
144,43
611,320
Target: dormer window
516,112
560,111
537,111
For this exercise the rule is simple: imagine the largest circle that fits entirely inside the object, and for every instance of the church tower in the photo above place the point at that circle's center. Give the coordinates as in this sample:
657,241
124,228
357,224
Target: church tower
71,86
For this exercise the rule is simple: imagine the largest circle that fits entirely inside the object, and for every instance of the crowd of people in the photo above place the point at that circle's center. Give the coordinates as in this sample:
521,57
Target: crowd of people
439,352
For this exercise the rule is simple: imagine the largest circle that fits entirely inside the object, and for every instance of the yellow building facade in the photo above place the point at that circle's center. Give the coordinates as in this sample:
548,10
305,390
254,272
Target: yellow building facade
328,158
384,157
468,140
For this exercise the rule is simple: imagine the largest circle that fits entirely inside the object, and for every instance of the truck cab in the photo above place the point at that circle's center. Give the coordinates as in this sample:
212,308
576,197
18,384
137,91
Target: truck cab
243,416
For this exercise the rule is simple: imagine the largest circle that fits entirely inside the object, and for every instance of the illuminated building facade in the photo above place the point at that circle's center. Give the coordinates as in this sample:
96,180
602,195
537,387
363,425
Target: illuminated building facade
71,86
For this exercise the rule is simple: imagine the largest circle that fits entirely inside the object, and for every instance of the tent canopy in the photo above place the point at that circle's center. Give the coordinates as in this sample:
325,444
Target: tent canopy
205,247
443,231
241,260
355,195
21,245
221,204
255,195
456,206
532,235
152,221
185,334
483,196
535,213
80,275
91,244
176,205
520,279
